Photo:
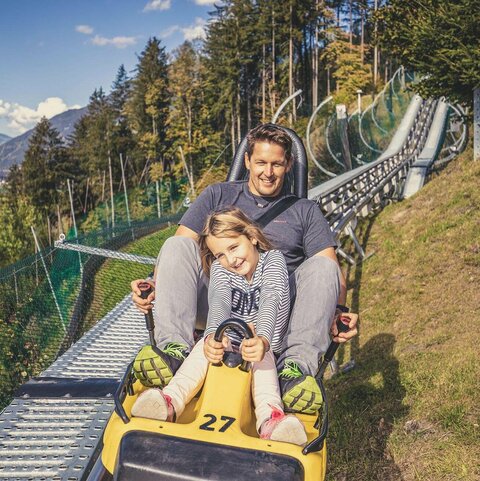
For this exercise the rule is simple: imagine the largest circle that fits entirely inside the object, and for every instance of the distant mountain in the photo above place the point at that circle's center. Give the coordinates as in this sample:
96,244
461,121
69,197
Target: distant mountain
13,150
4,138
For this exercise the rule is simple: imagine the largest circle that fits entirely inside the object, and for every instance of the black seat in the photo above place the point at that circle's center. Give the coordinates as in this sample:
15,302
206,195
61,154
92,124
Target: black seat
296,180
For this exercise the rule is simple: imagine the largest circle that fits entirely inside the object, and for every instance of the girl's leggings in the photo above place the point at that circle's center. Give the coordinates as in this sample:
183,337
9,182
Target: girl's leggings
190,376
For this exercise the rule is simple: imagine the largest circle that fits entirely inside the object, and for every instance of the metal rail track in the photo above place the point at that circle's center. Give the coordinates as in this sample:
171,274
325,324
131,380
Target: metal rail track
53,428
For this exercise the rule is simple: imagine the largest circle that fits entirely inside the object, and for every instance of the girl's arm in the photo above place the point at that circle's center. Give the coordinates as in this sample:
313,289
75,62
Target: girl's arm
219,298
274,302
219,308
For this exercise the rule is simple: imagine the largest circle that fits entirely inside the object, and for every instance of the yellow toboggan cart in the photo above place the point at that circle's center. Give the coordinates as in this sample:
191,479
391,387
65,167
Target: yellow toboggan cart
215,437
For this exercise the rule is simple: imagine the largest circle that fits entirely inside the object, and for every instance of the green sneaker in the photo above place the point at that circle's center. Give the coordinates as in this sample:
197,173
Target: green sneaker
300,392
154,367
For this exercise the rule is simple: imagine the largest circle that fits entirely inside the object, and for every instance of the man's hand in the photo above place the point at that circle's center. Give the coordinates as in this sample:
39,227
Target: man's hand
254,349
143,305
352,319
214,350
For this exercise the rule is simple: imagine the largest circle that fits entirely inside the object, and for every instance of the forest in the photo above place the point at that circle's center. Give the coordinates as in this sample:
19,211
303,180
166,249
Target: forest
177,118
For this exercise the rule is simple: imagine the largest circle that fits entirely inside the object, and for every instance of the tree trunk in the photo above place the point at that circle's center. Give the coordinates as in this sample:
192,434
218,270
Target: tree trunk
264,88
315,63
350,16
362,36
232,131
274,86
49,228
239,132
189,122
292,114
103,187
328,81
188,170
375,50
249,113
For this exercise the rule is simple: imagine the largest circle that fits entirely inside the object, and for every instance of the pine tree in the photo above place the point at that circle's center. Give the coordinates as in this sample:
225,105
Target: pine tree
122,137
147,107
119,94
45,166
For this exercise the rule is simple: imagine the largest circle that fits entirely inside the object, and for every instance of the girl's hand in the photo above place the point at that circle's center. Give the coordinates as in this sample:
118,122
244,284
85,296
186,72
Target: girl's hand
214,350
254,349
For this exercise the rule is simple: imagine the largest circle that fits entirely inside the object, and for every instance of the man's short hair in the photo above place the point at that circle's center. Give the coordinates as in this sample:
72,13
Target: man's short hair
272,134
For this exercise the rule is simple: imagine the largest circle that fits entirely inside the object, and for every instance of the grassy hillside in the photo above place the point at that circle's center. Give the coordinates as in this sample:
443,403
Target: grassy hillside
410,409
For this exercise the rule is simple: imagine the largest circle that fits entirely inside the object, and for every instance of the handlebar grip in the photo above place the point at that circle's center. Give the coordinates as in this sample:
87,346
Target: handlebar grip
240,327
342,326
145,290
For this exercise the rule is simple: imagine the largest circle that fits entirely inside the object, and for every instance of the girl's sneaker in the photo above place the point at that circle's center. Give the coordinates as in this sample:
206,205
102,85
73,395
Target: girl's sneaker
153,404
280,427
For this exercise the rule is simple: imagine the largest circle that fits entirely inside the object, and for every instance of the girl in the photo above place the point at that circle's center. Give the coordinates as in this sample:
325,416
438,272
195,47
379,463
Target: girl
248,281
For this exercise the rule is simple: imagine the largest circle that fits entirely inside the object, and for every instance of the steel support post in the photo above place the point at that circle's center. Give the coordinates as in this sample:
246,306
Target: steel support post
342,125
352,235
476,123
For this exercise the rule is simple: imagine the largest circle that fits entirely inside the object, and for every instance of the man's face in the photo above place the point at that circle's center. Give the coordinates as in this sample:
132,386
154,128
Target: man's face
267,167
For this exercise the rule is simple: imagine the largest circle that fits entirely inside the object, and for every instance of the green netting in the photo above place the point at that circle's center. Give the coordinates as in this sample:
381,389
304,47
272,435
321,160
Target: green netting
369,132
320,143
47,301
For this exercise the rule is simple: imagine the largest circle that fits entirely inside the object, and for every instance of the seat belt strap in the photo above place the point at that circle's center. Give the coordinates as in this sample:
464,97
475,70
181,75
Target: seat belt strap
281,206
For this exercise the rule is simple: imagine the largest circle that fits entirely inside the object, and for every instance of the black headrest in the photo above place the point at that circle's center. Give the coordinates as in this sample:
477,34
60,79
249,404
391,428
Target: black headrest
296,179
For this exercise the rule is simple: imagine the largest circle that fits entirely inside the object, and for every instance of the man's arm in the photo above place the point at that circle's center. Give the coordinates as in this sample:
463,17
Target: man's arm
146,304
342,298
186,232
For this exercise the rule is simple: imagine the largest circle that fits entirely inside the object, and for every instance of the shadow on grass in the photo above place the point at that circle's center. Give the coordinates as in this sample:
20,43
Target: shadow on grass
365,403
353,275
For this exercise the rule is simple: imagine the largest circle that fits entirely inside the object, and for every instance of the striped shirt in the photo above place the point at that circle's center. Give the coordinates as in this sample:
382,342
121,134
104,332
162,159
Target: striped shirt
265,301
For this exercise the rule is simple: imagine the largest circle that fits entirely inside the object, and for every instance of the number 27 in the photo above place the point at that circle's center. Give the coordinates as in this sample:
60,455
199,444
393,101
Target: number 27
212,419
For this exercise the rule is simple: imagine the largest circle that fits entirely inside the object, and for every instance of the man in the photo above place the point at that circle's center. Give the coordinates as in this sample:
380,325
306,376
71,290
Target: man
300,232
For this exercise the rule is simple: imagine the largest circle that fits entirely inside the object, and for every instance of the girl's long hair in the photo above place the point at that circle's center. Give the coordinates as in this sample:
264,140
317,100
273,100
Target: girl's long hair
230,222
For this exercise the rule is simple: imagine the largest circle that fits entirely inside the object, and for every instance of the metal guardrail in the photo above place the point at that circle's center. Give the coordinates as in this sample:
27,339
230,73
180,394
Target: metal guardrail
362,190
420,168
59,438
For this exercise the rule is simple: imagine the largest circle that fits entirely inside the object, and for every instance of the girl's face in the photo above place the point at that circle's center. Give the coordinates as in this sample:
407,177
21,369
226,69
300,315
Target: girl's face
236,254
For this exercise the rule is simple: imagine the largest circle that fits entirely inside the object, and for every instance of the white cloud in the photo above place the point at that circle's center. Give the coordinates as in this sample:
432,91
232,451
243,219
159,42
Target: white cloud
85,29
170,31
206,2
189,33
21,118
157,5
117,42
4,108
195,31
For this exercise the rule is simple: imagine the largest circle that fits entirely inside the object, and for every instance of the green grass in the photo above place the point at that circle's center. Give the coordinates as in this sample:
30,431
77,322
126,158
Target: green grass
409,410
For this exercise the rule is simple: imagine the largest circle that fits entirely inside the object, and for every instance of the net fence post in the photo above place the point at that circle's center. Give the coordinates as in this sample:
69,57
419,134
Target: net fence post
49,280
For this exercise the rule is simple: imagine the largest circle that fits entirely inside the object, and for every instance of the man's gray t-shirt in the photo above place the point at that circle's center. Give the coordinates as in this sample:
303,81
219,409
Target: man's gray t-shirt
299,232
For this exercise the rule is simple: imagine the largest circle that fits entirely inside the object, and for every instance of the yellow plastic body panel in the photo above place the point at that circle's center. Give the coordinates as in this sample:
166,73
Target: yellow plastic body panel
223,414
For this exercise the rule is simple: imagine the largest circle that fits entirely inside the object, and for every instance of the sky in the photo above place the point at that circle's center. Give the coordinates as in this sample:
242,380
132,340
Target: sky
54,53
